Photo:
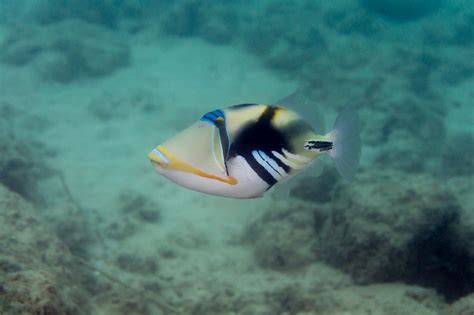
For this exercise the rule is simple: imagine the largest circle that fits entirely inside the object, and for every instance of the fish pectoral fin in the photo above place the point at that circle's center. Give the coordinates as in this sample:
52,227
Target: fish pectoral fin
283,189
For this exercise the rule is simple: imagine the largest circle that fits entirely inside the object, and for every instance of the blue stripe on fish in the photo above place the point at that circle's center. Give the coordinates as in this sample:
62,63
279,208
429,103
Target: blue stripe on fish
211,117
206,119
218,112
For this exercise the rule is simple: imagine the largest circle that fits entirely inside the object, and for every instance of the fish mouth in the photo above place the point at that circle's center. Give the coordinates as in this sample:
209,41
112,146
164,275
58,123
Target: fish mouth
162,157
158,158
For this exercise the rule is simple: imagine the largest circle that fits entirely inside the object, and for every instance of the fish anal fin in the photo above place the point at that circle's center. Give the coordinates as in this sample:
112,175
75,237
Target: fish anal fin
282,190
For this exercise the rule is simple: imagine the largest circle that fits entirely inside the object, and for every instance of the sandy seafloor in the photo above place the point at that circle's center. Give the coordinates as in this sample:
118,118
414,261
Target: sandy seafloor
123,240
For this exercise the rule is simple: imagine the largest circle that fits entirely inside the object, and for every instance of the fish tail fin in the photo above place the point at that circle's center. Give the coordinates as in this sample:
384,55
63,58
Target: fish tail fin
345,137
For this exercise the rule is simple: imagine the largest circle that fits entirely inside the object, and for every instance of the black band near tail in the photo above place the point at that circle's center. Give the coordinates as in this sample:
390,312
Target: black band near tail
315,145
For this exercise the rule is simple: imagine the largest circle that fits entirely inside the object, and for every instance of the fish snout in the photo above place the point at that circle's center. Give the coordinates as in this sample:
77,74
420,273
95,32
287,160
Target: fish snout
158,158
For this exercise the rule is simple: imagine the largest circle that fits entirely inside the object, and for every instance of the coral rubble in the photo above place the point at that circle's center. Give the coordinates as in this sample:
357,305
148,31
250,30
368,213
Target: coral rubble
37,272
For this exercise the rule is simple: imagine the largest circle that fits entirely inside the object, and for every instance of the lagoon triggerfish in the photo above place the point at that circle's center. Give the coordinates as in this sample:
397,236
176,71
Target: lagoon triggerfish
243,150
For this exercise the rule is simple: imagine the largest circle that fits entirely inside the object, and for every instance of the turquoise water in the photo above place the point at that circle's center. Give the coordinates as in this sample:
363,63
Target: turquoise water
89,88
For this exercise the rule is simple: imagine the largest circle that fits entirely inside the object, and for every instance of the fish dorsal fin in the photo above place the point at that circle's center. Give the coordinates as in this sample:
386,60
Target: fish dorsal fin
306,108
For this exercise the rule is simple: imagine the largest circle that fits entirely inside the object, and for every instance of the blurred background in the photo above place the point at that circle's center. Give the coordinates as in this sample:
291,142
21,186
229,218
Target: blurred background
88,88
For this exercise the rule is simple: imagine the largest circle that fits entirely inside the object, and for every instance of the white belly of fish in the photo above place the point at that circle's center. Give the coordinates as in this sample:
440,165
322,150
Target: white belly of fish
249,184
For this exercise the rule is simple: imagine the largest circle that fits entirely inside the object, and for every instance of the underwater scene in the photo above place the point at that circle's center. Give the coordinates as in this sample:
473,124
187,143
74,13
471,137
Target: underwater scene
342,184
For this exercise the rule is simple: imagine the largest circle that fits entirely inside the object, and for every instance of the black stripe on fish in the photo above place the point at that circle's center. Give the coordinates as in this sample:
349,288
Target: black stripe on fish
279,162
225,141
242,105
320,146
221,125
264,136
268,114
265,158
259,169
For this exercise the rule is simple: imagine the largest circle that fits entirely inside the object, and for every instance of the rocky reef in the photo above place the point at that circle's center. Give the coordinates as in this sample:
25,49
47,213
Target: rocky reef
38,274
22,158
383,227
47,239
402,228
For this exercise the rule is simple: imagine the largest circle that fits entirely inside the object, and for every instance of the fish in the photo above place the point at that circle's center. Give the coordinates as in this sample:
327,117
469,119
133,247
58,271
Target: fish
244,150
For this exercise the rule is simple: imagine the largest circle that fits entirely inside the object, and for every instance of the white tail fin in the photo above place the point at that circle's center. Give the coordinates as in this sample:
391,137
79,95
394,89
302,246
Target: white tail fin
345,137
